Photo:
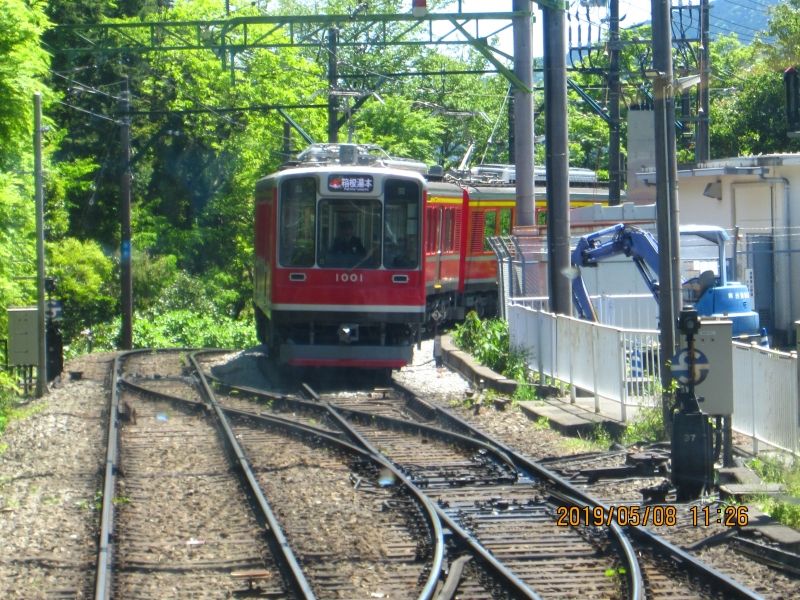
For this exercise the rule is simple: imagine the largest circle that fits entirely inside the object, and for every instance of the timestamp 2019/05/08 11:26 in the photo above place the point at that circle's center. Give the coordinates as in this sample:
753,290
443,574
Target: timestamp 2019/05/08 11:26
657,515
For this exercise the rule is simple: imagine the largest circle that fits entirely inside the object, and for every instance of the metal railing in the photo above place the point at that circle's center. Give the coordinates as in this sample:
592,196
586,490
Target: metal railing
766,399
612,363
622,365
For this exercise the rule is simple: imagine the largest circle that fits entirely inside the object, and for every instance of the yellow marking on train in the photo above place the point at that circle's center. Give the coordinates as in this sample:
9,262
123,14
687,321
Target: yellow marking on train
493,203
444,200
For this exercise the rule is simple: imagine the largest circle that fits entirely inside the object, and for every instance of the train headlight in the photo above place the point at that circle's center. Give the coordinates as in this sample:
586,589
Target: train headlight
348,333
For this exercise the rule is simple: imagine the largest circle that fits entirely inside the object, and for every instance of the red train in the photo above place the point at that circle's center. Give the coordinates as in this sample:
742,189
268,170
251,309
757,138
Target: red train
357,253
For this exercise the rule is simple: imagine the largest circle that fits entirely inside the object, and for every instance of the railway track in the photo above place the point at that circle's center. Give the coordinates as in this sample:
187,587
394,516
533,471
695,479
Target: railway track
500,504
189,495
175,518
219,491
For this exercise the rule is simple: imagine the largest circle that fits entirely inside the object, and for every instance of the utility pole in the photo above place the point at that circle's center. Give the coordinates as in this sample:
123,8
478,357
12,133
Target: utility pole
523,112
557,161
669,299
41,371
333,82
126,280
702,145
614,93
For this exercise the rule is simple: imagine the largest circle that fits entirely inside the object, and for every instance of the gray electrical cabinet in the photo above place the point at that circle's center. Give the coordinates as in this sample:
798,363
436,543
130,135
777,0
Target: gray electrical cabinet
23,339
715,341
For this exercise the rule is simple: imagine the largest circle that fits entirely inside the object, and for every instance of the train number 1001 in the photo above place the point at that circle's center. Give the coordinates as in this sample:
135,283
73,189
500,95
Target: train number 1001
349,277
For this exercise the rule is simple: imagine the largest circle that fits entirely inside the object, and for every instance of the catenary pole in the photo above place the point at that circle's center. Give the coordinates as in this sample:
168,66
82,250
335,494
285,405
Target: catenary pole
557,161
523,112
126,279
667,214
333,82
41,371
614,94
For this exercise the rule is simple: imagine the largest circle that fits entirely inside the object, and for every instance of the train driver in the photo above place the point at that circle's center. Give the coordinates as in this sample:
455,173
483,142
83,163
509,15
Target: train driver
345,242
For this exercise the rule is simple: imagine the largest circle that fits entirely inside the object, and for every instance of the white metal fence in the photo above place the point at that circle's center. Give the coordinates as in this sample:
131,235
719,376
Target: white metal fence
622,365
766,400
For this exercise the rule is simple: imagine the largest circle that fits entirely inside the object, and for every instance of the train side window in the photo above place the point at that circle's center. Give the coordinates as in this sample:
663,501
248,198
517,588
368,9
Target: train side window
432,238
401,233
476,231
448,230
505,221
489,228
298,197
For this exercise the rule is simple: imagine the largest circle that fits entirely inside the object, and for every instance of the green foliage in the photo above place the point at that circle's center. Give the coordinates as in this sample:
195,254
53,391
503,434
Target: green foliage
17,246
601,436
8,392
524,392
23,62
171,329
647,426
85,283
541,424
488,341
184,328
399,129
782,41
776,470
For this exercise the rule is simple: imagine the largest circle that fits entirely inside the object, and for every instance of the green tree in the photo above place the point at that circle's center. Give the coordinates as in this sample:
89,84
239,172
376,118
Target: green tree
781,44
23,63
748,112
85,283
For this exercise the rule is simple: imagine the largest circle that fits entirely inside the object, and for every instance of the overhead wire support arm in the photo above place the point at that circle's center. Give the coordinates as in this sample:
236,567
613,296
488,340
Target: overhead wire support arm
599,110
242,33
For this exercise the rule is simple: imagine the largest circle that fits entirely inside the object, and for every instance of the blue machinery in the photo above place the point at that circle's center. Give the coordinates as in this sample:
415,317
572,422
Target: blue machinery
712,295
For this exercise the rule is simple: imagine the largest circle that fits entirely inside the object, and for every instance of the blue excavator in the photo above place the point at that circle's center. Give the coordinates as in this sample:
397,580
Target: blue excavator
710,292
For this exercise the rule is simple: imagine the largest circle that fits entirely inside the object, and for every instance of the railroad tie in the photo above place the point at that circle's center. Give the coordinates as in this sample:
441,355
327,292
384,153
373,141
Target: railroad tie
252,576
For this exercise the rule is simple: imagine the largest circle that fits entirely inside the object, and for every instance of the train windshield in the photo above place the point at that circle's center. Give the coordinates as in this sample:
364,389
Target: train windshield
349,233
298,221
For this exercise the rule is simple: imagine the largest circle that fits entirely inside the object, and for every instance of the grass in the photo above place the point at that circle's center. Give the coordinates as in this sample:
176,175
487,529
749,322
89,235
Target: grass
774,469
647,426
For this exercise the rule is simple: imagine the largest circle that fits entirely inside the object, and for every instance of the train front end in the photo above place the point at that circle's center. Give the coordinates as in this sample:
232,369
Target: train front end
339,277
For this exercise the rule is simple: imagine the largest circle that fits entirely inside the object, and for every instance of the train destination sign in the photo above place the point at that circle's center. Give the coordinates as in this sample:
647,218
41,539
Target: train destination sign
350,183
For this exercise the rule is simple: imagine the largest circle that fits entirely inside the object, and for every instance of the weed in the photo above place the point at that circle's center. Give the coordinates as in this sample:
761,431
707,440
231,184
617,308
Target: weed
541,424
601,437
489,342
615,573
524,392
578,444
647,426
774,469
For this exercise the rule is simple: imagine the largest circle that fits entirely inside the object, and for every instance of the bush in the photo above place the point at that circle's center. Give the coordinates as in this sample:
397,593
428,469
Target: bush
184,328
489,342
774,470
647,426
172,329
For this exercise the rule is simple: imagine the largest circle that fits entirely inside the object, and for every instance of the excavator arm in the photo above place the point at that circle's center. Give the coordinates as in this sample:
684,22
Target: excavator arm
620,239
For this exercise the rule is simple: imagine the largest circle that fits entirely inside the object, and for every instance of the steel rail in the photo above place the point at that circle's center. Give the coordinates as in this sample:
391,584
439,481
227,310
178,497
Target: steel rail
298,580
498,567
386,421
105,547
102,588
725,584
437,564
